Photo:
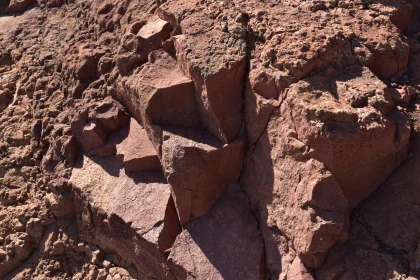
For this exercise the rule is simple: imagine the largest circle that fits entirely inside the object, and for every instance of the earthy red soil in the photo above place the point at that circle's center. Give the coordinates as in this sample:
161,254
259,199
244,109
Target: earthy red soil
206,139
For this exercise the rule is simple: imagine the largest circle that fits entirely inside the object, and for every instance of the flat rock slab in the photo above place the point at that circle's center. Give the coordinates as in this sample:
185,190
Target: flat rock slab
225,244
133,216
136,151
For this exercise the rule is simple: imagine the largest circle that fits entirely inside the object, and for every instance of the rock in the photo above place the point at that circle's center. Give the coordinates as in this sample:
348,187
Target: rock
379,150
110,148
110,114
94,136
92,126
298,271
130,215
400,96
87,65
61,204
34,228
57,248
160,94
136,152
224,244
18,6
190,159
330,117
7,264
140,39
297,84
154,32
217,70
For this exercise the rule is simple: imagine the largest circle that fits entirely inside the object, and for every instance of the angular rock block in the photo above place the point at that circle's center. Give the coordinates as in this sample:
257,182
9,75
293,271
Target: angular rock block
212,52
155,30
218,82
133,216
18,6
136,152
160,94
297,197
92,125
198,167
225,244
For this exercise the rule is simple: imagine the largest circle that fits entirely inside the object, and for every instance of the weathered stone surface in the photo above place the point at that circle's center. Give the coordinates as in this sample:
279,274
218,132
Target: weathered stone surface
136,152
213,55
308,133
385,229
131,215
198,167
141,38
356,135
224,244
296,79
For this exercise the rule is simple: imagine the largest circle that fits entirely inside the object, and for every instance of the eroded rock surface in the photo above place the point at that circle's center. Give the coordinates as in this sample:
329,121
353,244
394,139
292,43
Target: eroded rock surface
209,139
133,216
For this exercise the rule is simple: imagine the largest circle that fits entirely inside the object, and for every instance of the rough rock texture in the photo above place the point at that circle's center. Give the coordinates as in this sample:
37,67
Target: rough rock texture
209,139
132,215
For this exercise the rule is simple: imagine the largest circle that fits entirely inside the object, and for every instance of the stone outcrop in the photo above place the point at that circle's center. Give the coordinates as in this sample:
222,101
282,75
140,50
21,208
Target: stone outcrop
198,167
209,139
107,204
225,244
213,55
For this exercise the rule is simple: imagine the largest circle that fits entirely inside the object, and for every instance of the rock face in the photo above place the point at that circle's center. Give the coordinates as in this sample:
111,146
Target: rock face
198,167
225,244
130,215
209,139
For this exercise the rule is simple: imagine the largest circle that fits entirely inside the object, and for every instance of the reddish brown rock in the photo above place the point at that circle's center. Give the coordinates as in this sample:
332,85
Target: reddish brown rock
141,38
17,6
110,114
319,127
224,244
93,135
400,96
92,125
130,215
298,271
349,107
191,159
160,94
315,118
136,152
385,228
154,32
217,69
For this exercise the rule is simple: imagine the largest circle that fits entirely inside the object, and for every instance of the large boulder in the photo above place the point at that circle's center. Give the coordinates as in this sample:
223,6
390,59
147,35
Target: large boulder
329,143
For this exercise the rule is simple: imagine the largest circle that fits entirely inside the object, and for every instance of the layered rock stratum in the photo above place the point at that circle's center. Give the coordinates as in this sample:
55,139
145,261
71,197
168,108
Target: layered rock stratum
153,139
